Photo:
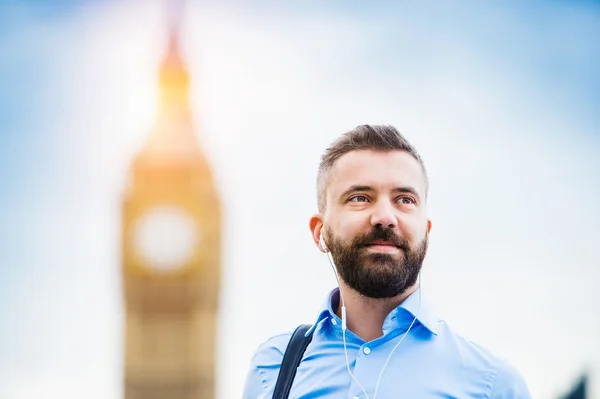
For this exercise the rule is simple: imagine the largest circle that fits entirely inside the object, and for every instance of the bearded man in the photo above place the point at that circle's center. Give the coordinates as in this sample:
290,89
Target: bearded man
375,336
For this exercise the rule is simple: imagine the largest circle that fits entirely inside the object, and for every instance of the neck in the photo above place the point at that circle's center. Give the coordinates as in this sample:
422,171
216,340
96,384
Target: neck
365,316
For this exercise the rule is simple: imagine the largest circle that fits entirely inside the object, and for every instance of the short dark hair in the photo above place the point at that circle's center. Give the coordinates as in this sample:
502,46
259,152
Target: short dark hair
365,137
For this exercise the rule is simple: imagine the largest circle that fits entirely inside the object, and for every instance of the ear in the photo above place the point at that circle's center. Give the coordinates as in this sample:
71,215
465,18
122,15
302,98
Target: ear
428,226
316,227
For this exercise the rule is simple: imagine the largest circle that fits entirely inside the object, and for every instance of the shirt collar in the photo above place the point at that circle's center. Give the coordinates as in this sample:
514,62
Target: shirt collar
415,304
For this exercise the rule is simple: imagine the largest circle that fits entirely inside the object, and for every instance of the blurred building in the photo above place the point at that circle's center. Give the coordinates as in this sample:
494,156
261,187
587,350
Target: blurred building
171,228
579,391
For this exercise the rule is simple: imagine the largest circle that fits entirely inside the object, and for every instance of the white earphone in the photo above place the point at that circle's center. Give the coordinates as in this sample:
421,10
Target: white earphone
322,241
344,327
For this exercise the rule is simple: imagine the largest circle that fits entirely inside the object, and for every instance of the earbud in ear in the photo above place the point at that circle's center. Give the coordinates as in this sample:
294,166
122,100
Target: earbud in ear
323,244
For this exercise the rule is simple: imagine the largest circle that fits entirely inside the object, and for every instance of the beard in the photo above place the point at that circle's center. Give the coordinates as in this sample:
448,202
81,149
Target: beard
377,275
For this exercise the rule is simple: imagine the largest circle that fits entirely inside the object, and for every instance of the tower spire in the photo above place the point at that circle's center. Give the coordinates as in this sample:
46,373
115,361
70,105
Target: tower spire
174,11
173,136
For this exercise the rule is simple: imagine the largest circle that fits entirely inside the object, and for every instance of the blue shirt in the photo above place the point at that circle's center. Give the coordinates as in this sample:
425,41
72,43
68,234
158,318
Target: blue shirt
431,362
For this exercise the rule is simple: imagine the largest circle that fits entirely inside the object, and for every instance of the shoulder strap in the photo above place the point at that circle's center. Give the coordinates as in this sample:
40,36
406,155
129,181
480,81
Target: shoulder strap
291,360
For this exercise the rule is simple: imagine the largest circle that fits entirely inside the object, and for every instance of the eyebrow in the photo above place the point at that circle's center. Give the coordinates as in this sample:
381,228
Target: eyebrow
361,188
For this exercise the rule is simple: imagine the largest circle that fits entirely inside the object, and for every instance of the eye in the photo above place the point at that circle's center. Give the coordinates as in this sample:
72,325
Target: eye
406,200
359,198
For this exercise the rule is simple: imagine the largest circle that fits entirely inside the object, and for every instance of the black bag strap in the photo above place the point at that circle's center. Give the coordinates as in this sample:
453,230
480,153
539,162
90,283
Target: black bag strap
291,360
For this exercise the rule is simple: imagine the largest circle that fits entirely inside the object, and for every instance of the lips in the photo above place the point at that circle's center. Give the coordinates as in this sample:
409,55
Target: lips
383,243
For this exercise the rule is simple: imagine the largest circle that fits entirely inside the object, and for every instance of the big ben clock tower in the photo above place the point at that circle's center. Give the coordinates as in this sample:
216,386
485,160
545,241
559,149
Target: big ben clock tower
171,243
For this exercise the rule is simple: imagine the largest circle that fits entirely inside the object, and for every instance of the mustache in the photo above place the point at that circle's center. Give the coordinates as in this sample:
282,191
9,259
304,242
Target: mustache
381,234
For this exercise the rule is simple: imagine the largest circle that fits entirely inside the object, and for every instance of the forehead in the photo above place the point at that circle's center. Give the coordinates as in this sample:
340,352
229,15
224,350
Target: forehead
381,170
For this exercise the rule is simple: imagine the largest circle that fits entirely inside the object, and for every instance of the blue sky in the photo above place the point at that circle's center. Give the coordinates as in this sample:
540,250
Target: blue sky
501,100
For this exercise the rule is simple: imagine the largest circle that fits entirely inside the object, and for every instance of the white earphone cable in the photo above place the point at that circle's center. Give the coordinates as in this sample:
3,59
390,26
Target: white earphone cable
344,326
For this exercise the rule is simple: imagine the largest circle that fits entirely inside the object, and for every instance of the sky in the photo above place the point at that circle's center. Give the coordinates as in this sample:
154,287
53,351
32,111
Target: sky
501,101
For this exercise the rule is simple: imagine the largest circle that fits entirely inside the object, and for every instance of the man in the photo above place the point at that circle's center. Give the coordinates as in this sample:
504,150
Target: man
375,337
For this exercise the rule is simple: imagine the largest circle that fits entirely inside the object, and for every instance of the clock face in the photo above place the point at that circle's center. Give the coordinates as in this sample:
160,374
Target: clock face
166,237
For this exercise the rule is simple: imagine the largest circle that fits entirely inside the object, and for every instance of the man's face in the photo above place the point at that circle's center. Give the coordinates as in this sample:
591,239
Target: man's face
375,223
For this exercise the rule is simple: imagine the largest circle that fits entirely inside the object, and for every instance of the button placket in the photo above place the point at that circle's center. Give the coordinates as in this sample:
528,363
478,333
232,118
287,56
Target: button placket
363,364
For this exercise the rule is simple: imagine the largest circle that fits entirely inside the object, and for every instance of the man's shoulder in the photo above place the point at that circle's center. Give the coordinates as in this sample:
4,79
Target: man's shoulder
269,353
504,378
264,366
471,353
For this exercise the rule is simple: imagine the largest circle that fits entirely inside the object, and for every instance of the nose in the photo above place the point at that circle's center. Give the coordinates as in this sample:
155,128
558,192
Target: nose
384,215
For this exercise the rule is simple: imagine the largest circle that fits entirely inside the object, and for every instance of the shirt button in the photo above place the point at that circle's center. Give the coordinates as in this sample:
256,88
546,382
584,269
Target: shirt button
366,350
333,321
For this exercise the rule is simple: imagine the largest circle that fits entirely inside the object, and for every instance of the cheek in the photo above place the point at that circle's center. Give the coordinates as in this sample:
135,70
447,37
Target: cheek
347,228
414,229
